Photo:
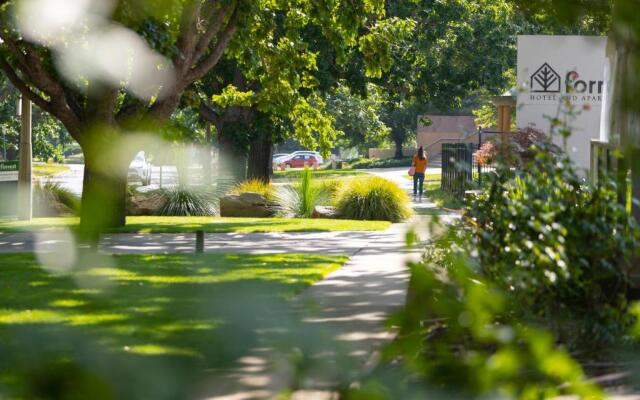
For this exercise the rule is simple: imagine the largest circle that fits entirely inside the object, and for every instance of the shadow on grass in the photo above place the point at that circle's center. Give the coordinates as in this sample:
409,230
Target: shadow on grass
208,224
141,326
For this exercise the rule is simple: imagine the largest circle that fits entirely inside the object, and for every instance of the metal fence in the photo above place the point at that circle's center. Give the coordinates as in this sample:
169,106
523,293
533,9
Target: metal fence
609,162
461,170
457,167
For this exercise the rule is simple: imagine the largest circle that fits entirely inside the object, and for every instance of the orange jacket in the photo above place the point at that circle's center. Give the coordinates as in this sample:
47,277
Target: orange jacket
421,165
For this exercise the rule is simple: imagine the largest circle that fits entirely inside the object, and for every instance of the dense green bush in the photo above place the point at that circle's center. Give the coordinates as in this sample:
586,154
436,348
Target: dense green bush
562,247
300,199
539,264
255,186
187,202
457,338
373,198
51,199
368,163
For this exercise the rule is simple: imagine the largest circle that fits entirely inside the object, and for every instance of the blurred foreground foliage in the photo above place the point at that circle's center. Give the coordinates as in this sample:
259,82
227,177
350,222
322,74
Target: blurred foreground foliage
536,273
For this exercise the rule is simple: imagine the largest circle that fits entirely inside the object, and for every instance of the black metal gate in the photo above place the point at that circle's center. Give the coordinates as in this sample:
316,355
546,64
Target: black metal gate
457,167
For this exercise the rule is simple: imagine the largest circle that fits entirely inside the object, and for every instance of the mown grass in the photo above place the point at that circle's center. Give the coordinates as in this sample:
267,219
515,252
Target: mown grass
442,199
140,326
47,170
427,177
320,173
207,224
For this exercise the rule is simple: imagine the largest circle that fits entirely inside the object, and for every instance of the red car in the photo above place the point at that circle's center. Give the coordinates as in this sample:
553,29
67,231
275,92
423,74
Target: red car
301,161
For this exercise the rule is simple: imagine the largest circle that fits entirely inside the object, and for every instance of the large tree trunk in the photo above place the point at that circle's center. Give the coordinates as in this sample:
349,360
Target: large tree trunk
231,164
104,184
260,158
399,154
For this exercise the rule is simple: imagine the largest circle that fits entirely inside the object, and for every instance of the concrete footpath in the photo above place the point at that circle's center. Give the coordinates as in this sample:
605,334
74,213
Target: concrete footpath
329,243
340,326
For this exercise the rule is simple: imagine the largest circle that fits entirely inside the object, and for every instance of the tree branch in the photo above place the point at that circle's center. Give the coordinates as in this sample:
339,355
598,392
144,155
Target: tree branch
66,116
23,88
31,67
187,37
216,22
212,59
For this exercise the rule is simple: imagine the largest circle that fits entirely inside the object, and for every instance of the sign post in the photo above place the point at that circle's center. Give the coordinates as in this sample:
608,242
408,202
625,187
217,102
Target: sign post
25,190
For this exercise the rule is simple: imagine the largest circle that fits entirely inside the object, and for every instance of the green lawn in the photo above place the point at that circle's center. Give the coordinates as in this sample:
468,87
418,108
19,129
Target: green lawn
208,224
47,170
433,192
321,173
140,326
427,177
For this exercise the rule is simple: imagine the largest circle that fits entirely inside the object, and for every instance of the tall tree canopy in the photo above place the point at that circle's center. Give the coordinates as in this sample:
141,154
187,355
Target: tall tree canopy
104,68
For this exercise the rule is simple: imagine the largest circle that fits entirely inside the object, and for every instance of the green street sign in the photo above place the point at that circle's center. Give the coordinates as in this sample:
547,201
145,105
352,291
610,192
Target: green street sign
8,166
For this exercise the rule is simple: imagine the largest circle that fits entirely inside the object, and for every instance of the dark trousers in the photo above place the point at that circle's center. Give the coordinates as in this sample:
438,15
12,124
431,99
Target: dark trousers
418,183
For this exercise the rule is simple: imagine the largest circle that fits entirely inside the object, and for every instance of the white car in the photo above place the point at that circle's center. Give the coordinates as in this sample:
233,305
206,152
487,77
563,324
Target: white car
140,169
276,157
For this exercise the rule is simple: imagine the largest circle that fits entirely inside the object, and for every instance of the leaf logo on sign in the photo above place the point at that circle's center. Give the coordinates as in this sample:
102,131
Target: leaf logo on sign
545,80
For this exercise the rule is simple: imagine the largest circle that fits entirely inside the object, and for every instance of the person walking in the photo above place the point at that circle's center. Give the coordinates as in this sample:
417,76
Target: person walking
419,162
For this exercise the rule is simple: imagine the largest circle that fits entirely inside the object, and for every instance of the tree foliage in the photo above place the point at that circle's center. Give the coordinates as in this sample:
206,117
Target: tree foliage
358,117
124,66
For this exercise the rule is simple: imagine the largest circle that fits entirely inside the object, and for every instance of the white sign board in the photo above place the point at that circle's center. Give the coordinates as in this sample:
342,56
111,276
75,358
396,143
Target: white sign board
553,69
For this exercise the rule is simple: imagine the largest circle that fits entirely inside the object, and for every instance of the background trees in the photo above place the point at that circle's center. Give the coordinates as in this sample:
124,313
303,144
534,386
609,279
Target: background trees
111,68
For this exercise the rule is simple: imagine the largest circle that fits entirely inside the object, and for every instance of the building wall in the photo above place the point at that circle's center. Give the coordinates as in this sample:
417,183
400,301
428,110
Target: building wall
390,153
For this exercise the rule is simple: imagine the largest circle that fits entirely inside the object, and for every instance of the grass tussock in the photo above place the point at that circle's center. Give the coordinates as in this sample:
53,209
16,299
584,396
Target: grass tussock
300,199
373,198
51,199
255,186
184,202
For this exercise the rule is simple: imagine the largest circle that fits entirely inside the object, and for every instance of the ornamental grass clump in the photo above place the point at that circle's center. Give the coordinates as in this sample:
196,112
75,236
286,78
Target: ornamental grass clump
51,199
186,202
331,187
373,198
258,186
300,199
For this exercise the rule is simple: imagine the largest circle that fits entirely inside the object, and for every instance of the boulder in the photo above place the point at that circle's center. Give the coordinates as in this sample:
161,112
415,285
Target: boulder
325,212
248,205
145,204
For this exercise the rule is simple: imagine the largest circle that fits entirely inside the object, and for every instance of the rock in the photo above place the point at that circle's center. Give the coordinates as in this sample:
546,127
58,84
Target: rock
248,205
253,198
145,204
325,212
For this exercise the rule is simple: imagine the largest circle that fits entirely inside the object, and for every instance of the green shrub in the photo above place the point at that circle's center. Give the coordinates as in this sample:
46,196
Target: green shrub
373,198
255,186
563,247
186,202
457,338
301,198
367,163
51,199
